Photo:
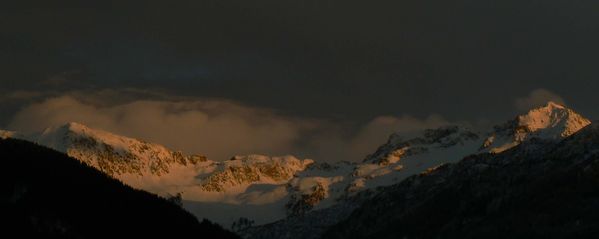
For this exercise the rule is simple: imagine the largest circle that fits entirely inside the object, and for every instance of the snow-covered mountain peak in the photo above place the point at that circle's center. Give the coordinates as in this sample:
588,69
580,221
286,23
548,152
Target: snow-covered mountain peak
65,128
113,154
564,121
550,122
61,137
73,130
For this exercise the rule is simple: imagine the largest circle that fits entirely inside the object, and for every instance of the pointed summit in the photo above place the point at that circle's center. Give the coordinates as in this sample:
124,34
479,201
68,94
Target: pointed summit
58,137
556,121
551,122
551,104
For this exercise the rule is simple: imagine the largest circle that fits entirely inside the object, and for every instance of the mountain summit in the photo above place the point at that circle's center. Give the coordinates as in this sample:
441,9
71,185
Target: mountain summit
550,122
115,155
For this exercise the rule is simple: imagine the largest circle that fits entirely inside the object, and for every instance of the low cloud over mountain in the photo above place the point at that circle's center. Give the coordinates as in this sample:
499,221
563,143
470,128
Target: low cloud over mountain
215,127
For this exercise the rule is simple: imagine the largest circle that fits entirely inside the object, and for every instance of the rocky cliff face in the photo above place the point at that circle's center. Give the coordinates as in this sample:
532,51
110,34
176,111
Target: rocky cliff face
245,170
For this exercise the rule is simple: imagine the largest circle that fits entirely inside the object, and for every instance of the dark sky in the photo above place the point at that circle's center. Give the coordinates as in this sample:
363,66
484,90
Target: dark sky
462,59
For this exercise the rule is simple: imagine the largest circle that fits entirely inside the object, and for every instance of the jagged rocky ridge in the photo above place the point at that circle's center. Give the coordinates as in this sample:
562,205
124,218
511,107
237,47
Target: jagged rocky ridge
539,189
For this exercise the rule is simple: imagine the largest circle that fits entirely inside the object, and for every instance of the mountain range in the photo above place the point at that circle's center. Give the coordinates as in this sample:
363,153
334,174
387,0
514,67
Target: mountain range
403,181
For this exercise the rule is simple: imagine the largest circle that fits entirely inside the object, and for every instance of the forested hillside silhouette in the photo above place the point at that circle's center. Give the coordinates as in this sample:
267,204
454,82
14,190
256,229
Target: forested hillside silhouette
47,194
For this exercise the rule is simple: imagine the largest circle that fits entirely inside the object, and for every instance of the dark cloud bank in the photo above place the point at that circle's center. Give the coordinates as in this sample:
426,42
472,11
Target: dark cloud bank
291,76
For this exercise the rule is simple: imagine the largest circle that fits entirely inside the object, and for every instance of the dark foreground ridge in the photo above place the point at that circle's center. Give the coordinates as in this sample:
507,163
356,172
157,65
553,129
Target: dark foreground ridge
46,194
